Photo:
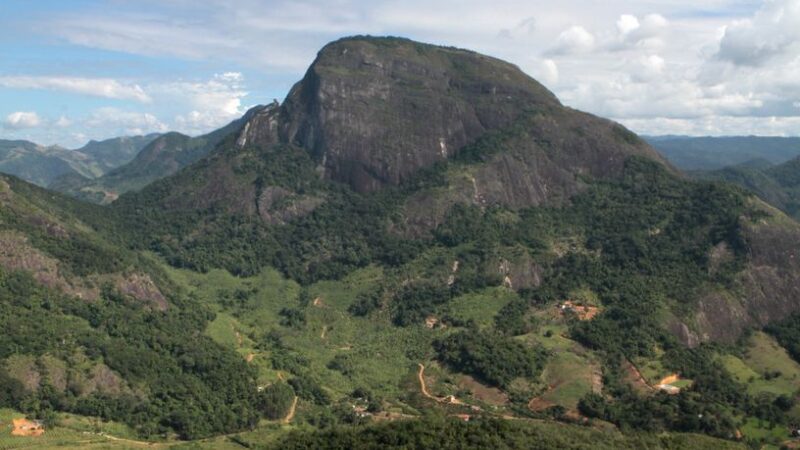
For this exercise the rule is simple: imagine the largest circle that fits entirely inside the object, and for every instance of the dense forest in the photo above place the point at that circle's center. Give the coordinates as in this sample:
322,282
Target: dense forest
449,433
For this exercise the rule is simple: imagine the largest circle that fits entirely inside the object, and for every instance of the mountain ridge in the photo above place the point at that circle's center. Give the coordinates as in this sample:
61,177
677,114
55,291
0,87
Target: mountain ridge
43,165
162,157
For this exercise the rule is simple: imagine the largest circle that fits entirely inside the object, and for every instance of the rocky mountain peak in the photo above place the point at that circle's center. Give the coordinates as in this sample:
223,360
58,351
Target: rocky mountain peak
372,111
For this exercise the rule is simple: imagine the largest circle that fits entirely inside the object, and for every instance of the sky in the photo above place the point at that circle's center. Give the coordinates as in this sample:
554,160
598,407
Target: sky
74,70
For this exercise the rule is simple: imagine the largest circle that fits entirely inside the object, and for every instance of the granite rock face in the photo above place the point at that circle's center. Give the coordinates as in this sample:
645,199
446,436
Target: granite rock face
374,111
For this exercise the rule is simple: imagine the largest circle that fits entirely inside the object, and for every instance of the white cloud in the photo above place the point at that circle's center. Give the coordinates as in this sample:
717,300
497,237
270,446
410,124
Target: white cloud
717,126
63,122
574,39
550,71
124,123
773,32
546,71
97,87
647,68
632,32
21,119
627,23
211,104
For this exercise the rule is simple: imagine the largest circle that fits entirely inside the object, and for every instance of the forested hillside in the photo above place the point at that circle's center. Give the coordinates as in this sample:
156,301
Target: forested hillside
415,229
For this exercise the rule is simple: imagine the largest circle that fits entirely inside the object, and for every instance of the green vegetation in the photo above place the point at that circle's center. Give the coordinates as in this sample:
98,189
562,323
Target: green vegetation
788,334
492,358
777,185
275,400
442,433
193,386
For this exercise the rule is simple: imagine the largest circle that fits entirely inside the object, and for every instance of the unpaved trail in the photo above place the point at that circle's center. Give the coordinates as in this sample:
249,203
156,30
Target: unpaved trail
451,399
138,443
638,377
249,357
292,410
324,329
422,386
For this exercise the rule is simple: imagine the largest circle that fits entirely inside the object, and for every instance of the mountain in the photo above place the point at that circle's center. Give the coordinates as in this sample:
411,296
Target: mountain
163,156
778,185
43,165
39,164
115,152
713,153
415,232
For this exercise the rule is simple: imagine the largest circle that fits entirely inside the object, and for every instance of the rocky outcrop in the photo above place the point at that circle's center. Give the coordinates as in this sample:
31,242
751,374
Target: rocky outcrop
278,206
373,111
545,161
767,290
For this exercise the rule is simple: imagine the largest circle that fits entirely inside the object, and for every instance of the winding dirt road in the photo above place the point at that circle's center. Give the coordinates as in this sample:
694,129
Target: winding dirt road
292,410
422,386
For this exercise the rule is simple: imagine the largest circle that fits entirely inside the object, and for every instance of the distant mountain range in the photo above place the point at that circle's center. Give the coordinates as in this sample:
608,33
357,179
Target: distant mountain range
102,170
713,153
42,165
161,157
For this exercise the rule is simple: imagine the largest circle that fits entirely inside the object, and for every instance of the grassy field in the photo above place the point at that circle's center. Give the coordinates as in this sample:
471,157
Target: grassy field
571,371
481,306
763,359
372,349
760,430
71,432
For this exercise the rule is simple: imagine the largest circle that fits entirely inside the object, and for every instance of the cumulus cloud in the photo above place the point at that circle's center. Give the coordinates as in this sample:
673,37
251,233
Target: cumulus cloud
211,103
574,39
773,32
124,123
632,32
97,87
21,119
545,70
63,122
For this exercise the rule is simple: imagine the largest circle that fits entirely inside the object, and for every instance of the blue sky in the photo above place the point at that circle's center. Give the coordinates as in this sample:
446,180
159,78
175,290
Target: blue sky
74,70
